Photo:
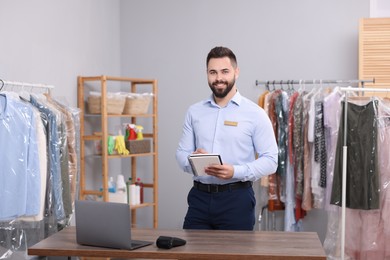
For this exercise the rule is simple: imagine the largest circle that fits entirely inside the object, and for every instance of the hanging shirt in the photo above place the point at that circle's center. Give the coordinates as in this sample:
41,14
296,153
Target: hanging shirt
54,145
42,152
19,172
298,144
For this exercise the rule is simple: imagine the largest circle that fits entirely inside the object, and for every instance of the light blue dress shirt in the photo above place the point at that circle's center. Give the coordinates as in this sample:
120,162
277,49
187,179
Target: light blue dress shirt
237,132
20,180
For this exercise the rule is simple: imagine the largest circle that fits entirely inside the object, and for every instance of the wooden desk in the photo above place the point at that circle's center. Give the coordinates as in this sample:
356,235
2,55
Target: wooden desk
201,244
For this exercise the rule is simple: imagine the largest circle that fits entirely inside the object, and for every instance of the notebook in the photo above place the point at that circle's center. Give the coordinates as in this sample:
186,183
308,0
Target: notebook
105,224
201,160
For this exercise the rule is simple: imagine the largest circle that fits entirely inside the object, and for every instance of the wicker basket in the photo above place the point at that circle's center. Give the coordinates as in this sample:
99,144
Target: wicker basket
137,104
138,146
115,104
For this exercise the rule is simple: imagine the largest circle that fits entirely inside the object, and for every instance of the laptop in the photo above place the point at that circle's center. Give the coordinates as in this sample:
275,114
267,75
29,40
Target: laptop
105,224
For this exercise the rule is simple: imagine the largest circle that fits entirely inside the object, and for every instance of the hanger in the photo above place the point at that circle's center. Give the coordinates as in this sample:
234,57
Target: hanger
24,95
313,90
287,86
291,87
328,89
281,85
319,94
361,100
302,86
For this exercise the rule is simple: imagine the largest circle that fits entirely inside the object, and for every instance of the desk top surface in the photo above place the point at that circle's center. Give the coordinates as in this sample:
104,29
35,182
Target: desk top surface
201,244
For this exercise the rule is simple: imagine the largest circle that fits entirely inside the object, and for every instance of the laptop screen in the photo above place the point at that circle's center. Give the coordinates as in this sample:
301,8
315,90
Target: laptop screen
104,224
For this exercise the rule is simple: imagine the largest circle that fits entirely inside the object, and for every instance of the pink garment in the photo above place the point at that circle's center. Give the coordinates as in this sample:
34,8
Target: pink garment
384,166
364,234
368,231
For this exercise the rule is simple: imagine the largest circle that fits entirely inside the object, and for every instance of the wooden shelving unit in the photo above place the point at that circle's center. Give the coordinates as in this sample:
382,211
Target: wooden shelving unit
135,85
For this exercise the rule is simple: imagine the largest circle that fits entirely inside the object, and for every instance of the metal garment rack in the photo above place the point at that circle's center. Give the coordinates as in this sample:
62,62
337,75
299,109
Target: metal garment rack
4,83
346,90
312,82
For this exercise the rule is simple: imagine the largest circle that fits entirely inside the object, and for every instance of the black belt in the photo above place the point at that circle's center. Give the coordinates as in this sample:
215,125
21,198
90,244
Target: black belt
212,188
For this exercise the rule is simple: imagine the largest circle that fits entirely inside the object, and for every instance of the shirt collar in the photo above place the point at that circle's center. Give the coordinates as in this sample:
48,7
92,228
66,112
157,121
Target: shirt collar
237,98
4,106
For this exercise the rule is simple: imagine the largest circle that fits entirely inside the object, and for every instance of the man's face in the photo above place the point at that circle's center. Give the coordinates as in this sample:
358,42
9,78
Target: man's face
221,76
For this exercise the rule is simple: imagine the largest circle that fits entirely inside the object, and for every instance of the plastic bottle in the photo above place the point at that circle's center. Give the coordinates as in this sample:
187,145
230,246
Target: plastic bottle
132,197
128,183
138,130
120,184
141,190
133,194
137,198
111,185
132,132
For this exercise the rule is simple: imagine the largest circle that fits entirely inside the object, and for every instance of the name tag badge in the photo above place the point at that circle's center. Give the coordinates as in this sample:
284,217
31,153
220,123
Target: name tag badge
230,123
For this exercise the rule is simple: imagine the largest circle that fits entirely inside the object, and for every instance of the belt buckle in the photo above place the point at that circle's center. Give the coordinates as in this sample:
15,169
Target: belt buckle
212,188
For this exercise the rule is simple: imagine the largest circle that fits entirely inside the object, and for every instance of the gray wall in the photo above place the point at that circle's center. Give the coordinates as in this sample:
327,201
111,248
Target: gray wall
273,40
53,41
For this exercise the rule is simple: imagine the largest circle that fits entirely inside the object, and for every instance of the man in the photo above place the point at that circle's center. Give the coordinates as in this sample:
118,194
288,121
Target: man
236,128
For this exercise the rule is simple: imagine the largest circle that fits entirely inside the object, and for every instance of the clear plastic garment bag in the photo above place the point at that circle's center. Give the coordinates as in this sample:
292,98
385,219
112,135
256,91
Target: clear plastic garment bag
37,185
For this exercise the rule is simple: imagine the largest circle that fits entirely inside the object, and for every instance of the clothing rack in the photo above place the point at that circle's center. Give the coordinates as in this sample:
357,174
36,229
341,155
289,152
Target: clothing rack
345,152
312,82
346,90
23,84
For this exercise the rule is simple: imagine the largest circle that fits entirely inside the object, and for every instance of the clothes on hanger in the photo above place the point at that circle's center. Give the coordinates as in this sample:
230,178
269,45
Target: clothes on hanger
20,177
314,146
39,158
362,175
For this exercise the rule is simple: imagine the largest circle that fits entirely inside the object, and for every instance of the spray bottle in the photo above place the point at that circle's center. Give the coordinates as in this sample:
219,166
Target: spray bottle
132,132
139,129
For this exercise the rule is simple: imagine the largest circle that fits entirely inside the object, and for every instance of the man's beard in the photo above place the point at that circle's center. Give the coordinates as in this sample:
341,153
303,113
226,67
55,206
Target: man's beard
222,93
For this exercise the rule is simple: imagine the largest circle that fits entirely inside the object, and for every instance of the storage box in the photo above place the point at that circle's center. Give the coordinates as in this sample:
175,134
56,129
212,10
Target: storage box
137,104
115,103
138,146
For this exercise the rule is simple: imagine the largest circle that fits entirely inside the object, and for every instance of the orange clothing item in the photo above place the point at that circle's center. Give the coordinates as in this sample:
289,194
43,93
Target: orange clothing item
261,99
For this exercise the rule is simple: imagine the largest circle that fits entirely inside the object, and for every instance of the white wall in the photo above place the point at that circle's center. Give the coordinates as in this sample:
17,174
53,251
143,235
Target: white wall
54,41
379,8
273,40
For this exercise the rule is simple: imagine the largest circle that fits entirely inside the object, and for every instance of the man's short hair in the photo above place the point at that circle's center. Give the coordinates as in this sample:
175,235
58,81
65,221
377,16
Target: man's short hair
221,52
